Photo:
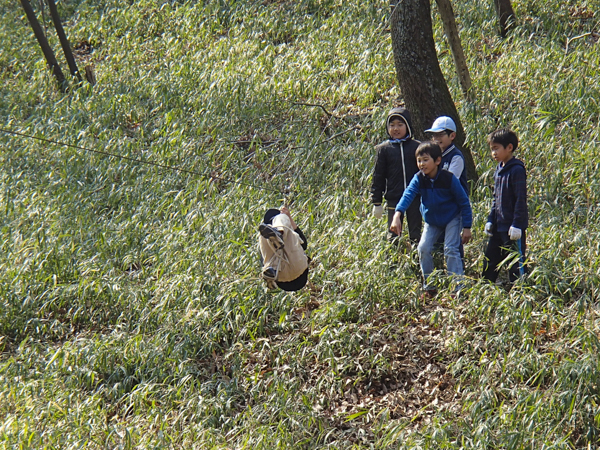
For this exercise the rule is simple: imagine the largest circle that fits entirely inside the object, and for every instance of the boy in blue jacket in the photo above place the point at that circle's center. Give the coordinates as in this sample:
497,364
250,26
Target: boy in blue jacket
443,132
509,217
445,209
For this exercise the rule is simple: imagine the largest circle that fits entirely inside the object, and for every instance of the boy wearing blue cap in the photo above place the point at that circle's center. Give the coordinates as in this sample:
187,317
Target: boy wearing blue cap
443,132
282,248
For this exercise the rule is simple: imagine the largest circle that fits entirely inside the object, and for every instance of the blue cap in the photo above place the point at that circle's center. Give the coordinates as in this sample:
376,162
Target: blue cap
441,124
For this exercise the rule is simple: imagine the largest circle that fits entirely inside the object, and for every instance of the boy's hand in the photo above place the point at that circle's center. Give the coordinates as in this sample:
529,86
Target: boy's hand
396,226
378,211
514,233
466,235
488,228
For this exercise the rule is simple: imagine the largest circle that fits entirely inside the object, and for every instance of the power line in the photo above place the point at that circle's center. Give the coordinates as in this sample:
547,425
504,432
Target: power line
180,169
141,161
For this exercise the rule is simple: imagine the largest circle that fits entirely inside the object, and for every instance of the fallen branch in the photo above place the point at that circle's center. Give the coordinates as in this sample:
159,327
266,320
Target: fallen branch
315,106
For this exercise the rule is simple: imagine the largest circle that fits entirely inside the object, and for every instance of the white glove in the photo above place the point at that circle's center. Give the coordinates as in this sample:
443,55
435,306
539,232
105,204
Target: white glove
378,211
514,233
488,228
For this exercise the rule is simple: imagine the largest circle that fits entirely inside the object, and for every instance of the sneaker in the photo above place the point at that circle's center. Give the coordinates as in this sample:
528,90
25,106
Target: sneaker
429,294
272,234
269,273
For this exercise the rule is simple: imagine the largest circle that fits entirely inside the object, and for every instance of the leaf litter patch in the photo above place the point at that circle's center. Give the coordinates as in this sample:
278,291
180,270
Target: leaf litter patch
416,387
410,383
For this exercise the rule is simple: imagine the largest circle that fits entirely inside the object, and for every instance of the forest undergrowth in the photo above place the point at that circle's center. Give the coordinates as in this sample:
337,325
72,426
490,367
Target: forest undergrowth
132,314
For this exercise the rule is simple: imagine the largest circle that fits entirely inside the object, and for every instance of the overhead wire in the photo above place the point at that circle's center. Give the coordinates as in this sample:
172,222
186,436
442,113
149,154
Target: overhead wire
311,147
285,191
140,161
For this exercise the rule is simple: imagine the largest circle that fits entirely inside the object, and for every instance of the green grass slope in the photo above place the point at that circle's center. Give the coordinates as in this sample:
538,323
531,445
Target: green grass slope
131,311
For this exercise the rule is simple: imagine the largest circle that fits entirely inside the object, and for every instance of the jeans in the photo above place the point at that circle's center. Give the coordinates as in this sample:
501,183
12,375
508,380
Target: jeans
452,242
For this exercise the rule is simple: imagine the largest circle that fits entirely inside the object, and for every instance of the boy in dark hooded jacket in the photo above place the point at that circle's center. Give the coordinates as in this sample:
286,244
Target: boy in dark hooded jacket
395,166
509,217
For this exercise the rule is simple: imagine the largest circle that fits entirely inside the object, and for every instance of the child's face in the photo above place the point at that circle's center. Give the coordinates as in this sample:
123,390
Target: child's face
443,139
500,153
397,129
428,165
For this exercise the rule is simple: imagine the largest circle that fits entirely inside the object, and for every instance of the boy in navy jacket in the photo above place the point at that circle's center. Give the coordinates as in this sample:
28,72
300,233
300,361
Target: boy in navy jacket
509,217
445,209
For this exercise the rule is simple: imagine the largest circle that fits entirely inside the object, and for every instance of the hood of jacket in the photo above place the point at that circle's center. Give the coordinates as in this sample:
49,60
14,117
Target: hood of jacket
402,112
510,164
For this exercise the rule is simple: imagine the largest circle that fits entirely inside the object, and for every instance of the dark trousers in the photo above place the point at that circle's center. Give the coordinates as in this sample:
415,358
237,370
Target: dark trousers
498,249
413,218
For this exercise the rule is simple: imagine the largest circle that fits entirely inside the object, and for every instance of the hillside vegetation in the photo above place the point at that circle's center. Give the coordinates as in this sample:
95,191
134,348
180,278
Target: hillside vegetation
132,314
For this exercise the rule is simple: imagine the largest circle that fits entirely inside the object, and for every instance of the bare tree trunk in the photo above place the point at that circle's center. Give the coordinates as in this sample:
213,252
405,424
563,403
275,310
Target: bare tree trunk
46,49
64,42
506,16
451,30
420,78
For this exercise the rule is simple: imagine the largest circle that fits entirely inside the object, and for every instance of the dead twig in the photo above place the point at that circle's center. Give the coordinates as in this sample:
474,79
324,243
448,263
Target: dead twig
575,39
314,106
562,64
